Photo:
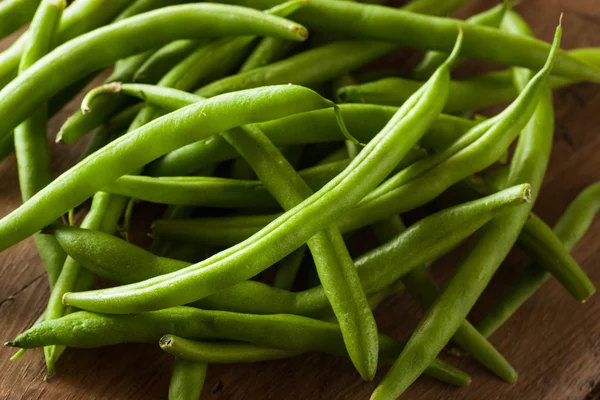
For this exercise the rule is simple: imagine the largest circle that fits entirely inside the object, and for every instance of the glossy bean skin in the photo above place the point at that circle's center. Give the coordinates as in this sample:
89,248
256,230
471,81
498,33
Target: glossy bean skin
187,379
142,6
351,19
31,143
433,7
16,13
85,329
570,228
240,262
80,17
306,68
474,272
90,51
422,287
432,59
131,151
423,242
221,352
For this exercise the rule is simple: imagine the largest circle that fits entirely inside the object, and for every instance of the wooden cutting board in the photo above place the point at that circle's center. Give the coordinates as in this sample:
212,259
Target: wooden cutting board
553,341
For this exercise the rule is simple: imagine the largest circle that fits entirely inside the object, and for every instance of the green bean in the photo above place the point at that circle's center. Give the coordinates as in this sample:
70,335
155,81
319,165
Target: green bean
30,138
473,274
406,28
433,59
80,17
549,252
187,380
423,288
334,265
79,124
155,67
221,352
138,148
16,13
312,66
91,51
117,260
364,121
241,262
570,228
301,333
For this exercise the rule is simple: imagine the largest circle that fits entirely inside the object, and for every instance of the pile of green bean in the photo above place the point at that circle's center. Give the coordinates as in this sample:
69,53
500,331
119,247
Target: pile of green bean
267,149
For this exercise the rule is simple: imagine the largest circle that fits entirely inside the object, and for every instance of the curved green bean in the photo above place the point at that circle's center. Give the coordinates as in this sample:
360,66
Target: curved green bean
30,140
142,6
366,21
570,228
187,380
85,329
450,309
221,352
117,260
239,262
92,51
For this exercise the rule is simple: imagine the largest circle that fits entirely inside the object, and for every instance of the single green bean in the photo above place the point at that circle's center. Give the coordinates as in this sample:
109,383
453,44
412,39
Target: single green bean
372,22
187,379
221,352
307,68
80,17
433,59
16,13
120,261
106,45
30,138
423,288
335,268
473,274
273,243
570,228
85,329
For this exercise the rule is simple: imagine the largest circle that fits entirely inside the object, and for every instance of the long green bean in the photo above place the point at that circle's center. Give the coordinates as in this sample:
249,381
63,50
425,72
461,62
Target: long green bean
16,13
570,228
187,380
85,329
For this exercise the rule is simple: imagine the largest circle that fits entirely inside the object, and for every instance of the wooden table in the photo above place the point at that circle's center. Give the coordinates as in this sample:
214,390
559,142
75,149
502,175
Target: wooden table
553,341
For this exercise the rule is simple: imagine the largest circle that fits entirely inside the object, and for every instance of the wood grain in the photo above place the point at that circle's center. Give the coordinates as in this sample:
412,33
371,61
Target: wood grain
553,341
